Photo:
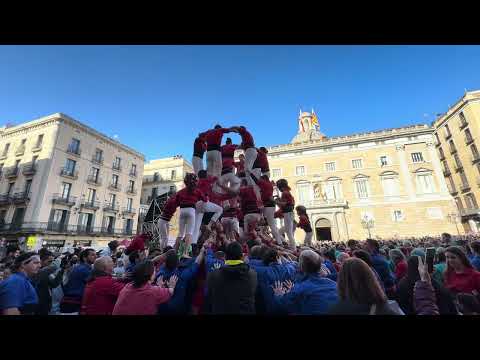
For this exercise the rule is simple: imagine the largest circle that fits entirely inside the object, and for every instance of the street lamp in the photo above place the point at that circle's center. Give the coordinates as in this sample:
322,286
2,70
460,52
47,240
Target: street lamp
368,223
453,217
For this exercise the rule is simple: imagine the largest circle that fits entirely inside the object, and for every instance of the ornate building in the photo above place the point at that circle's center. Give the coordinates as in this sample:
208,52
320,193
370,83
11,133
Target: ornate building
388,183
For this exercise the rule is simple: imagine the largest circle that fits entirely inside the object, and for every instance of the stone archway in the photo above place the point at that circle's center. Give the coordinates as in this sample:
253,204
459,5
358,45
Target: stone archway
323,230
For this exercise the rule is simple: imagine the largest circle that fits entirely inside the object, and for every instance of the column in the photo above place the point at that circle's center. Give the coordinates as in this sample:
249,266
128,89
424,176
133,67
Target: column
402,157
437,169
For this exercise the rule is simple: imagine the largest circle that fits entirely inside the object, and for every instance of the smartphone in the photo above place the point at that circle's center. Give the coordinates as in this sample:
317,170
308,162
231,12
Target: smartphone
429,258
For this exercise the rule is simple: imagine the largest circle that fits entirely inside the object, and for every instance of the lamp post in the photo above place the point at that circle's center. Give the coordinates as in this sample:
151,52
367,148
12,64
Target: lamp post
453,217
368,223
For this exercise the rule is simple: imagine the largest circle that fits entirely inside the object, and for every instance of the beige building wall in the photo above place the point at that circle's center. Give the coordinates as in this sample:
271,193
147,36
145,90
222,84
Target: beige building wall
461,125
395,195
47,181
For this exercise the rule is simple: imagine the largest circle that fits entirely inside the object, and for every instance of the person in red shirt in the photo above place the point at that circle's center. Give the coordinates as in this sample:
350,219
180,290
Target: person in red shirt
187,198
230,218
240,166
164,220
213,138
286,202
400,262
205,185
199,148
304,224
228,176
248,145
261,162
460,276
266,194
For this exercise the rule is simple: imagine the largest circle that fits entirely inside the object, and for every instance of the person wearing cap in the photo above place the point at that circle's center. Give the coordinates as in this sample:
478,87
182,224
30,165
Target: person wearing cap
17,294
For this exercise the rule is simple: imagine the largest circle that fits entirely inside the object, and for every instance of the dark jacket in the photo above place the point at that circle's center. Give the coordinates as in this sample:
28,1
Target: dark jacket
231,289
424,299
381,267
43,285
345,307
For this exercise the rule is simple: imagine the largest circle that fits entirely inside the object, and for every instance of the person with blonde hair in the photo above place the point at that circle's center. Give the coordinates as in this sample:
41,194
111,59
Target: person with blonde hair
360,292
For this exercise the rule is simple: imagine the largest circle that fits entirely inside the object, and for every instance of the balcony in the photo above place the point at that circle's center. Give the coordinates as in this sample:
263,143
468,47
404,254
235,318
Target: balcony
69,173
127,211
74,151
91,205
11,173
117,167
326,203
453,191
114,187
469,212
62,200
465,188
29,169
458,167
4,156
132,191
21,197
469,141
37,148
110,208
453,150
463,125
54,227
5,199
85,229
96,160
448,136
441,156
20,150
446,172
94,180
133,174
475,158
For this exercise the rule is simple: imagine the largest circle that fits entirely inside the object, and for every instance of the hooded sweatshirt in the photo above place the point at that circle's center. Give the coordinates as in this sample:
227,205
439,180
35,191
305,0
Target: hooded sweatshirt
231,289
140,301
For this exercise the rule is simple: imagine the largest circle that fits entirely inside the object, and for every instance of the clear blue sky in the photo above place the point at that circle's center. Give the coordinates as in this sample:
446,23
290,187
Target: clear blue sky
157,98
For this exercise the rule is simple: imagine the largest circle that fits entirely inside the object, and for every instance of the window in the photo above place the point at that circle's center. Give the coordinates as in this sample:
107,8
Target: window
17,163
470,201
116,163
361,186
425,183
94,174
463,120
330,166
128,226
437,138
452,146
156,176
66,187
34,160
464,179
390,186
98,155
5,150
458,163
24,141
303,189
74,146
59,216
446,169
458,201
91,195
474,150
70,166
173,175
112,199
417,157
3,215
447,131
1,168
28,185
434,213
441,153
300,170
133,170
450,184
383,161
276,173
333,190
129,204
357,163
397,215
131,185
468,136
10,188
115,180
39,141
154,192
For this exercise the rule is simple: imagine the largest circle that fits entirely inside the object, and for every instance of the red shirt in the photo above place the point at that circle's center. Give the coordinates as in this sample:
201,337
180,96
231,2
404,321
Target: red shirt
138,243
401,269
199,146
100,296
205,185
266,192
466,282
248,200
229,150
169,208
247,139
240,165
304,223
278,214
261,161
217,198
187,198
214,137
288,198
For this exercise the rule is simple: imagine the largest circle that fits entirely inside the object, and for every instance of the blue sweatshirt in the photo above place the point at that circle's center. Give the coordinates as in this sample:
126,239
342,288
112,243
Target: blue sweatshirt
311,295
211,260
475,260
77,281
333,271
380,265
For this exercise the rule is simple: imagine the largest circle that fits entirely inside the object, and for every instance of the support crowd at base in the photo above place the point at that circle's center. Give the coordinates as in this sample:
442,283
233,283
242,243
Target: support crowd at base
236,261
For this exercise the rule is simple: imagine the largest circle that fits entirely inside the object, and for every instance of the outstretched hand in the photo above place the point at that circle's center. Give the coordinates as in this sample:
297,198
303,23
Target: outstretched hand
172,282
423,270
160,282
278,289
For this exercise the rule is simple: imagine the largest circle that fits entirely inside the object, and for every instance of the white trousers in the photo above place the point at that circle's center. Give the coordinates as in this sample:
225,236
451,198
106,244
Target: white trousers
186,222
269,213
163,227
308,238
200,209
231,179
248,219
197,164
250,157
230,224
288,218
214,163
